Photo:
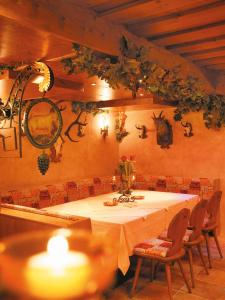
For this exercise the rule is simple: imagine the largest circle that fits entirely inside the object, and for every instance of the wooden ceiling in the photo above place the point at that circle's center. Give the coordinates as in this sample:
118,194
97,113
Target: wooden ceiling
45,29
194,29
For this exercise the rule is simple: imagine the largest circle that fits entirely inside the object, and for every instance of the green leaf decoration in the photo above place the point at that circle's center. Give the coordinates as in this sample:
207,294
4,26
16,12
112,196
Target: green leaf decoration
133,69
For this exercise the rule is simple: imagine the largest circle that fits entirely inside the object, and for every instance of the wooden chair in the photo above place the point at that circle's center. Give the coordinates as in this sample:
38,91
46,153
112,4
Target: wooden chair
211,223
166,252
193,236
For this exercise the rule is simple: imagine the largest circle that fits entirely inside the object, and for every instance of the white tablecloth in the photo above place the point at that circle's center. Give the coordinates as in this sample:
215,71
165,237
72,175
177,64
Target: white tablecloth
128,223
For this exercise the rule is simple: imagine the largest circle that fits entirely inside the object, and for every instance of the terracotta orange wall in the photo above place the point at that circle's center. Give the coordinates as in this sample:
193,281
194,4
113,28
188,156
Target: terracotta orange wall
202,155
91,156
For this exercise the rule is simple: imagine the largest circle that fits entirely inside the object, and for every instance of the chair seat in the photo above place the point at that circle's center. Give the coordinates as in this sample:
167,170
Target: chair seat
154,246
186,237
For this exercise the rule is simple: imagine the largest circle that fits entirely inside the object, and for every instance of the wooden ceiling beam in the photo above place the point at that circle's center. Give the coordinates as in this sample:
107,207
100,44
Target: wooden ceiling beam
72,22
137,101
124,102
188,30
127,102
118,8
207,55
178,14
216,66
203,51
68,84
58,82
191,36
150,102
196,42
213,60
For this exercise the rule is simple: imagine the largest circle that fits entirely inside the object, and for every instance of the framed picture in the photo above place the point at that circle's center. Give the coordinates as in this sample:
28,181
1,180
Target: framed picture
42,123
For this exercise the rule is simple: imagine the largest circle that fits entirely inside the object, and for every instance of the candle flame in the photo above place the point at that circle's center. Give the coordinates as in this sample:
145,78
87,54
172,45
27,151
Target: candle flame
57,246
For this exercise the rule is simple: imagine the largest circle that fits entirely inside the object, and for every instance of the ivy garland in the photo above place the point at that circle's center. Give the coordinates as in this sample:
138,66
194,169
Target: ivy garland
133,70
88,107
212,106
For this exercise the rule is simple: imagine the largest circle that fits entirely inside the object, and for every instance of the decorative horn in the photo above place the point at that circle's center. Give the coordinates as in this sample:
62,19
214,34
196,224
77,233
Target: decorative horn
160,115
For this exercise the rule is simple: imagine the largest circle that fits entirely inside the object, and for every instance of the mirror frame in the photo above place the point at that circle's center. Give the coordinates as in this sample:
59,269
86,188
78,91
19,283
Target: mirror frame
26,123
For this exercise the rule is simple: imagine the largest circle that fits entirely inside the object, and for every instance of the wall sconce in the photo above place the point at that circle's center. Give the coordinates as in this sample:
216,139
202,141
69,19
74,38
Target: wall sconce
104,123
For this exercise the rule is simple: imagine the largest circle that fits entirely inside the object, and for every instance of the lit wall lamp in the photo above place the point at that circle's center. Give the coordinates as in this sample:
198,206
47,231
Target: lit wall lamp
104,123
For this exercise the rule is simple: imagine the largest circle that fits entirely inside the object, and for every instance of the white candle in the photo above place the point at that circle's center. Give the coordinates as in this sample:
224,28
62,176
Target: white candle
133,178
114,179
58,273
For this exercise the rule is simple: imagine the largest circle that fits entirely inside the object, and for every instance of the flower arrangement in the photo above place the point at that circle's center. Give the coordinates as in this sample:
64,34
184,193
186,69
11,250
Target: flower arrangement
126,170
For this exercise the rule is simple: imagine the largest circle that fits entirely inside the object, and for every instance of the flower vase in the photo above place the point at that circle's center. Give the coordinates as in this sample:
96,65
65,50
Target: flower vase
126,170
125,184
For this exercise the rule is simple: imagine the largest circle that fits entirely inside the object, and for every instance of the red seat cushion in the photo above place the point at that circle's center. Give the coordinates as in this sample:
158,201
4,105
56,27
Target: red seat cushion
154,246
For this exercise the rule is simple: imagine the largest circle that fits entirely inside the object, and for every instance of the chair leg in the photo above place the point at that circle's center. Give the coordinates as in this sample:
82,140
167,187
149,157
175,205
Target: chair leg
202,258
217,243
152,269
169,281
208,249
190,258
184,276
156,268
137,273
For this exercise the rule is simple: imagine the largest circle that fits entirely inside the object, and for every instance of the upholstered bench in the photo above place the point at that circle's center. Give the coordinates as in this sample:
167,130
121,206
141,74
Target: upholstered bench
204,187
54,194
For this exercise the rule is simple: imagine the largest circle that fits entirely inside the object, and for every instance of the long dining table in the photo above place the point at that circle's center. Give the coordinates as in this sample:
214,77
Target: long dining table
128,223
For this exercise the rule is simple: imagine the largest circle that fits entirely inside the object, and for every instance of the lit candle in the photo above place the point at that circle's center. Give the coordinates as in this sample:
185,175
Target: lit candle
133,178
58,273
114,179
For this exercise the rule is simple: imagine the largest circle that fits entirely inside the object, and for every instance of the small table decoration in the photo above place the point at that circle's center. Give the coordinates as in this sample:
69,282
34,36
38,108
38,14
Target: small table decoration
114,202
126,171
138,197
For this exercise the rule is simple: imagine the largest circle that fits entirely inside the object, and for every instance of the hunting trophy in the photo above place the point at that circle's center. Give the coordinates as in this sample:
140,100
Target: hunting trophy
164,131
187,129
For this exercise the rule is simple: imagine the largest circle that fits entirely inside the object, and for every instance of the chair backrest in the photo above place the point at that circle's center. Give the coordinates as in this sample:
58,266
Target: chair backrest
197,219
213,208
176,230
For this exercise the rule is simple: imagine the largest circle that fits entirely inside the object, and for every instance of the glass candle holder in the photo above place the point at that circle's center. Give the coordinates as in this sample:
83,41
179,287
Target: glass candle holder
59,264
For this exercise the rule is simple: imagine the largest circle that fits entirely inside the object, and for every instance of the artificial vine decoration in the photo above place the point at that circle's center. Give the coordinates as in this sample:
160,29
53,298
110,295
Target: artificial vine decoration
212,106
134,70
120,130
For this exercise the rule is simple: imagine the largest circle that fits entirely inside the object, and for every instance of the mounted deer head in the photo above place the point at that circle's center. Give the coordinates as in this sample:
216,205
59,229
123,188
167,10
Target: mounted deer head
164,130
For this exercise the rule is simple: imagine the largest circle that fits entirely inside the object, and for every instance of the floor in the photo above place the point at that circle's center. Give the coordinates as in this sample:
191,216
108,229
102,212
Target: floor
210,286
